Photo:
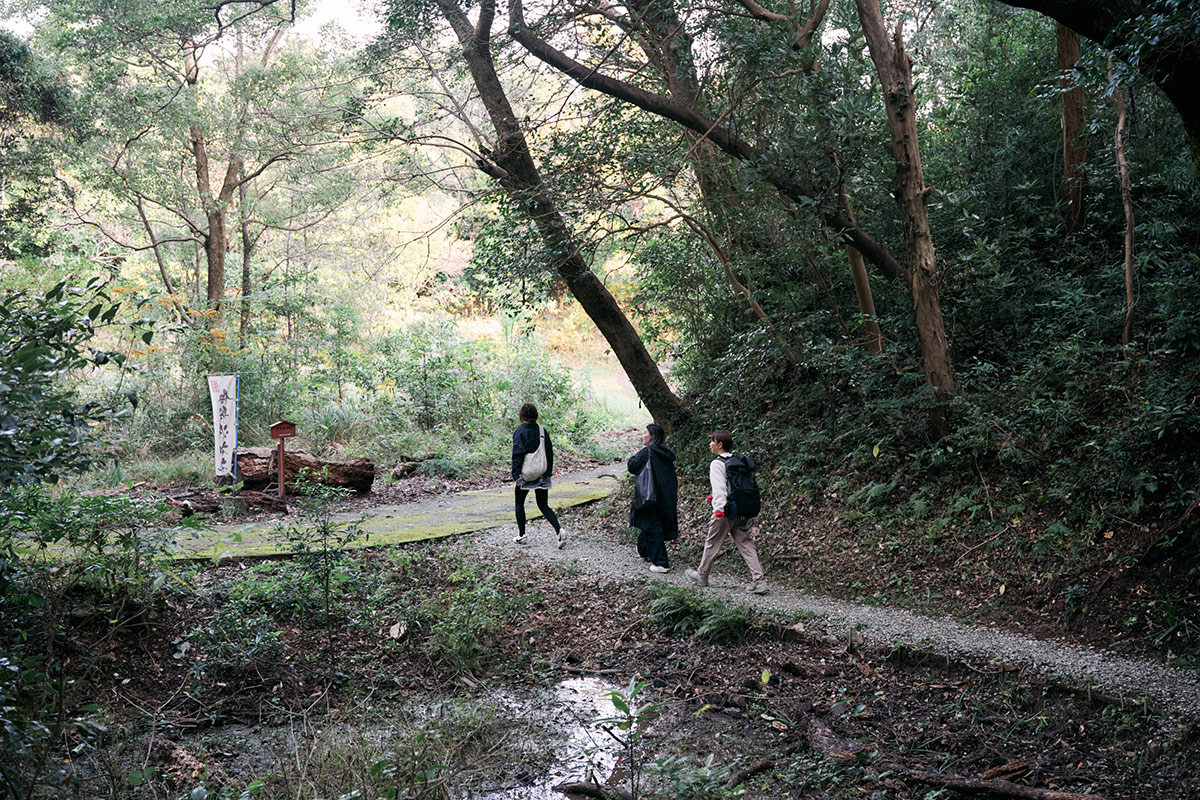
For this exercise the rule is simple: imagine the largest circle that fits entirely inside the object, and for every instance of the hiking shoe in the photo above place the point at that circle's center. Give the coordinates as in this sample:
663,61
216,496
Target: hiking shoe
697,578
562,538
757,587
519,538
657,568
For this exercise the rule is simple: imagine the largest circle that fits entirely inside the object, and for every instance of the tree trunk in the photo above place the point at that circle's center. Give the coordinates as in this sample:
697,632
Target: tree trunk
247,248
1169,56
194,300
895,74
862,285
1074,146
215,207
158,258
511,163
662,36
1127,203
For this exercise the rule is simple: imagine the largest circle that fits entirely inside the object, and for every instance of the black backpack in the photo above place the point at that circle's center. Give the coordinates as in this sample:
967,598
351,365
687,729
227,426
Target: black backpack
744,497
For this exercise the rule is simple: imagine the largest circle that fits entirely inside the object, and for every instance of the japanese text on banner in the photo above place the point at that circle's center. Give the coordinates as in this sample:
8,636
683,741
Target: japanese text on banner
223,389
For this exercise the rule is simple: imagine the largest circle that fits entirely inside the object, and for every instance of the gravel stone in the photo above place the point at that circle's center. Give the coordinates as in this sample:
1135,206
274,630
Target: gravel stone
1175,690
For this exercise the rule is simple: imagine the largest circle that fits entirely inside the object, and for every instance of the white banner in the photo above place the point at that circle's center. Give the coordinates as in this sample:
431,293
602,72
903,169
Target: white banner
224,392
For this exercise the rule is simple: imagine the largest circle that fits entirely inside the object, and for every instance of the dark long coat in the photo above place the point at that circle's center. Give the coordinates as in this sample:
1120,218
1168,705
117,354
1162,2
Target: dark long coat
665,512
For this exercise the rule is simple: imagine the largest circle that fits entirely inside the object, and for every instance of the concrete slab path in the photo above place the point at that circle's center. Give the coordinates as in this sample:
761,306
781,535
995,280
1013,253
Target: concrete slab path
435,517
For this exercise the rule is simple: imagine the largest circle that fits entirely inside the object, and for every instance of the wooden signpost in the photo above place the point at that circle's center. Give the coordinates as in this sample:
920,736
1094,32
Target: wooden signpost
282,430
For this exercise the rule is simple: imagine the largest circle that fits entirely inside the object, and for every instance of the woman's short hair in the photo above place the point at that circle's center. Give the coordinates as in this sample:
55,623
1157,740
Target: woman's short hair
657,434
725,439
528,413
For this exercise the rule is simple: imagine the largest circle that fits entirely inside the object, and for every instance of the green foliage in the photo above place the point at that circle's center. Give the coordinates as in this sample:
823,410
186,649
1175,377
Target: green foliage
44,426
510,270
284,588
629,727
32,720
462,624
116,546
682,778
426,388
682,613
29,90
95,557
440,468
725,624
677,776
1053,417
36,108
430,380
237,642
319,542
675,611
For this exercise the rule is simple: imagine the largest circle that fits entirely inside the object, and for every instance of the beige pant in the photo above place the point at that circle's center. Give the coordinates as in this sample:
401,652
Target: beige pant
719,529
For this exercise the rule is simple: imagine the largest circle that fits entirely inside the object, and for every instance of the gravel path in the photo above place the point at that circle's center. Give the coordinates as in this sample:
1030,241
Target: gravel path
1176,691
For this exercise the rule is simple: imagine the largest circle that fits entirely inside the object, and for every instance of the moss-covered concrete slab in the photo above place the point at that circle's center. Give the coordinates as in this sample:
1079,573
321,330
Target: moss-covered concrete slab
449,515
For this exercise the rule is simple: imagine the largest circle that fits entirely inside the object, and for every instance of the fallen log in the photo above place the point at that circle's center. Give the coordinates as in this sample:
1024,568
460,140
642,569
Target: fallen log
587,789
208,501
193,501
408,465
256,470
263,500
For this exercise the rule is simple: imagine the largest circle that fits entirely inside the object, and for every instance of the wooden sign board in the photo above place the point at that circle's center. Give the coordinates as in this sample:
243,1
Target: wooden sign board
283,429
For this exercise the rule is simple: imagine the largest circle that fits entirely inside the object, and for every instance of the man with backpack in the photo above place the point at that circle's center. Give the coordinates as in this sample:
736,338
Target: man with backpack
735,499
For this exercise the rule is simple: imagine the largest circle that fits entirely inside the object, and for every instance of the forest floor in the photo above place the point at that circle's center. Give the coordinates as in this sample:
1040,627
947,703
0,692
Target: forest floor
471,666
431,509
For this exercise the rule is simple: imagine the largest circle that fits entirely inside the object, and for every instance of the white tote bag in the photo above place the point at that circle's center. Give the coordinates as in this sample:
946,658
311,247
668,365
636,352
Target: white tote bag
534,465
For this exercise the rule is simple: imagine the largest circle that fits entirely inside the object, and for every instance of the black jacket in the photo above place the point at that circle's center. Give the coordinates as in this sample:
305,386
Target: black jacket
525,440
665,512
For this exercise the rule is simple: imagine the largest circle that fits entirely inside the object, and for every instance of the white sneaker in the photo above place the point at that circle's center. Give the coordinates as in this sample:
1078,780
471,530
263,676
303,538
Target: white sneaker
562,538
657,568
519,538
697,578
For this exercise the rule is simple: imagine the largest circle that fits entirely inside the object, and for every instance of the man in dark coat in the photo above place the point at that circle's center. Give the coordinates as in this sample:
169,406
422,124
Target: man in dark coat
658,520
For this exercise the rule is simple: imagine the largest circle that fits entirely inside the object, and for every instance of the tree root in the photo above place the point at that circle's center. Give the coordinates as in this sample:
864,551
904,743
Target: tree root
996,787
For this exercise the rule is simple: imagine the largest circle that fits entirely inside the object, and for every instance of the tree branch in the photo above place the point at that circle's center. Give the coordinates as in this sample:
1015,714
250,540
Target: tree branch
721,136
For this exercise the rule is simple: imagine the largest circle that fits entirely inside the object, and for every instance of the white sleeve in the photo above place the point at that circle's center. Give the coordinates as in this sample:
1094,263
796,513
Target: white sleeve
720,486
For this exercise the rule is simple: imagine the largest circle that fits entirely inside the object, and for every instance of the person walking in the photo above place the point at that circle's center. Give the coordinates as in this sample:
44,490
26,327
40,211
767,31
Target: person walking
723,525
657,516
531,444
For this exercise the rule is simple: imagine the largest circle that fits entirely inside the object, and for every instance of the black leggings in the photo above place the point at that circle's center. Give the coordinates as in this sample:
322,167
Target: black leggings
542,496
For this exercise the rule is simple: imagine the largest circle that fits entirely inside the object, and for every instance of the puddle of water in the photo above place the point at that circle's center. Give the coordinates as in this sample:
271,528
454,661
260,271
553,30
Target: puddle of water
585,753
557,739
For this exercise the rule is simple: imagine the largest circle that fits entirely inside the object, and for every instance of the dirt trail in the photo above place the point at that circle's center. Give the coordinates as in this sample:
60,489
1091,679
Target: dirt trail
487,513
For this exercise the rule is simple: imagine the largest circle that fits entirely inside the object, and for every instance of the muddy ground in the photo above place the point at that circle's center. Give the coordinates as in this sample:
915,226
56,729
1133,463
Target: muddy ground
242,677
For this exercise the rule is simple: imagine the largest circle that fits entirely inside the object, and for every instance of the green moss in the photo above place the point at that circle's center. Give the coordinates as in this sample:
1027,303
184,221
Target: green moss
466,512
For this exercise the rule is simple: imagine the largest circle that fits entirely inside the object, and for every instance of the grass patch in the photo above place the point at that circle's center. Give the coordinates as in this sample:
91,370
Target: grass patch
682,614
